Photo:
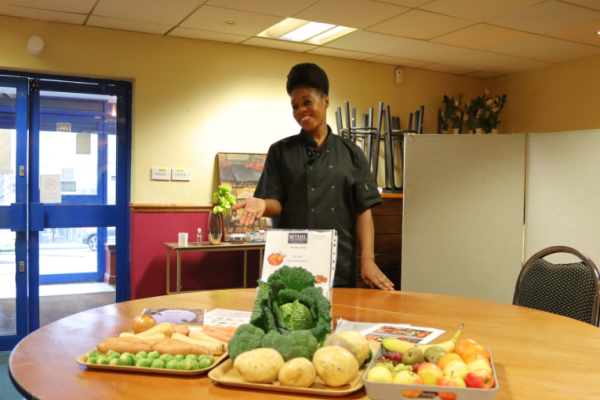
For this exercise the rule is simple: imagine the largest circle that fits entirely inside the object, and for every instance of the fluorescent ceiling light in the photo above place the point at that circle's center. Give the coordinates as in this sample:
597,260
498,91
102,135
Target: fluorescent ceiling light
306,31
331,34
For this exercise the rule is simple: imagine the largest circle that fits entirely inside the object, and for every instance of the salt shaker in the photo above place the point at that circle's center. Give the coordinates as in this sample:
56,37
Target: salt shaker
199,237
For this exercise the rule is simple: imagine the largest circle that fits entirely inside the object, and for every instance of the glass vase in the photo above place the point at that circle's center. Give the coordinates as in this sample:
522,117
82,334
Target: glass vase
215,228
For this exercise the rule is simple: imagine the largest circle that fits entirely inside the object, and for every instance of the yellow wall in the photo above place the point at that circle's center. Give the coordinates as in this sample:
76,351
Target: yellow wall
563,97
195,98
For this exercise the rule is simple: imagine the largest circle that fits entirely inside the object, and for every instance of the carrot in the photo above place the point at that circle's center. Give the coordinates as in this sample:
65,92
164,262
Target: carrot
224,328
217,331
217,336
182,329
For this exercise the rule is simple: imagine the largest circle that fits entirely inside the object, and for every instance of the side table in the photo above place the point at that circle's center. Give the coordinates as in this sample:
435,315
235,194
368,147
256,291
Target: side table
206,247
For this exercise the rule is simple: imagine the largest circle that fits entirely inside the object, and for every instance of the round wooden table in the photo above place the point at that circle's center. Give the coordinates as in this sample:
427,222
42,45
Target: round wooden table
537,355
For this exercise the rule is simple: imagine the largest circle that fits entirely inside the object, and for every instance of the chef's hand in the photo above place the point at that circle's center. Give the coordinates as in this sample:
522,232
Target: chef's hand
254,209
372,275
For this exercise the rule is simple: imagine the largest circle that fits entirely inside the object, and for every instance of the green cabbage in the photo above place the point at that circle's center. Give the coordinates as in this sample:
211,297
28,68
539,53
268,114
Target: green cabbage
297,316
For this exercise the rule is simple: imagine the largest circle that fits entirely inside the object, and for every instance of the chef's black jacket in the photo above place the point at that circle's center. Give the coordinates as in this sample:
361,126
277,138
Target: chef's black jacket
321,189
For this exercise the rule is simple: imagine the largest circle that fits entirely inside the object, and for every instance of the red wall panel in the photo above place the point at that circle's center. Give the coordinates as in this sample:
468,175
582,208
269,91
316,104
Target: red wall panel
199,271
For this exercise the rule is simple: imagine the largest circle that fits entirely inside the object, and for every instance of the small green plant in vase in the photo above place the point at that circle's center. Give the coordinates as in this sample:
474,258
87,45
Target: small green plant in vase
223,200
452,112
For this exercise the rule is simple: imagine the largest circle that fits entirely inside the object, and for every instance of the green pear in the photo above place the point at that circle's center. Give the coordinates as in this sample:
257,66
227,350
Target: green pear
414,355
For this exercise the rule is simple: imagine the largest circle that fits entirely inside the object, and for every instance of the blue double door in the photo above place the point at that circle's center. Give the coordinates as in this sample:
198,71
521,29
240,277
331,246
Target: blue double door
64,191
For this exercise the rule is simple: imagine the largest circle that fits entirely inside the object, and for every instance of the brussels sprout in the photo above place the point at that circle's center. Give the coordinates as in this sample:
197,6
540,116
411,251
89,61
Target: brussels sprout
204,363
184,365
114,361
179,357
157,364
171,364
102,360
142,354
93,353
92,360
154,355
126,359
144,362
191,357
195,365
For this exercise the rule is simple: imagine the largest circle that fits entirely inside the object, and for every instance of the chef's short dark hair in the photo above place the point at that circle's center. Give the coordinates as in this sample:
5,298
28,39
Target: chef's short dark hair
307,75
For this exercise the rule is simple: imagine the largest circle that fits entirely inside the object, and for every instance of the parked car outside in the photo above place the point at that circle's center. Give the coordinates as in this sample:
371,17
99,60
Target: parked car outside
90,237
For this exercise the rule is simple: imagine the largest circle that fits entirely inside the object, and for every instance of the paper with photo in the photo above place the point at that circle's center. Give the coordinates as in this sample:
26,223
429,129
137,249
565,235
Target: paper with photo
182,316
227,318
411,334
343,325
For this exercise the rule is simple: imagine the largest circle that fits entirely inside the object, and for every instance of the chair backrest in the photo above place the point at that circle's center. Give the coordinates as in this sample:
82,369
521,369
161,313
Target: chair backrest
572,290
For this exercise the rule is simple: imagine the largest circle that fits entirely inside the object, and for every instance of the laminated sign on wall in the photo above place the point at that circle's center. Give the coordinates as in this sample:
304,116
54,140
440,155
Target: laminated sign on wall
313,250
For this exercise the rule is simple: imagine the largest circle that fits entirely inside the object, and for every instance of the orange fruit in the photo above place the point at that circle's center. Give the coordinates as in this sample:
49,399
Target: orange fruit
477,357
447,358
462,346
475,349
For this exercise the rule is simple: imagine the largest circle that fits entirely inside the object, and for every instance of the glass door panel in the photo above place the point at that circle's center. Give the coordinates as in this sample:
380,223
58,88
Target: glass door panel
8,284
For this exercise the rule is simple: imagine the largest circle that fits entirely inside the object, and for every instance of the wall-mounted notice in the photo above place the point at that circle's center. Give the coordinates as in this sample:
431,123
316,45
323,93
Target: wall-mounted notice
83,143
5,152
50,189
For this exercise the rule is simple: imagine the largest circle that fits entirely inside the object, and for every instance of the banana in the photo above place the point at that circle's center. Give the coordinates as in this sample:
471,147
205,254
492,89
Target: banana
402,346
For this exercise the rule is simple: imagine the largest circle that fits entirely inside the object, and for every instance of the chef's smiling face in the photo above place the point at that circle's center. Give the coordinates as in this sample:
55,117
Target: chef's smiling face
310,107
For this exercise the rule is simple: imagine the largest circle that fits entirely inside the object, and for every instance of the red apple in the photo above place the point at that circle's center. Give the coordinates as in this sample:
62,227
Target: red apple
429,373
480,379
447,381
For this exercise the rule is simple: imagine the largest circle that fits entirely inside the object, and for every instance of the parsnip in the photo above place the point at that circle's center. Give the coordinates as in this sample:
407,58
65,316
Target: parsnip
216,348
165,328
155,336
199,335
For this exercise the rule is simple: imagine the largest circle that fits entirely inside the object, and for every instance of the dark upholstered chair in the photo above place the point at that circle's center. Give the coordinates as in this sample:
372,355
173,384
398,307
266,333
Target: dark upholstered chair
572,290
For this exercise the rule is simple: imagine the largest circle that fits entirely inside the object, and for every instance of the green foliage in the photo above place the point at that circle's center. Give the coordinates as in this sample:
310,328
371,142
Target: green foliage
300,343
483,111
452,112
297,316
224,200
247,337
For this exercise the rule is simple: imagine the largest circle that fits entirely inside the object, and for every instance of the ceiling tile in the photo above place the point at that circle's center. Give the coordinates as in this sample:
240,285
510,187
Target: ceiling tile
370,42
420,25
449,69
405,3
536,47
595,4
127,25
352,13
482,37
484,60
547,17
323,51
34,13
478,10
213,19
280,44
149,11
524,65
401,62
484,74
206,35
582,52
73,6
280,8
433,52
583,33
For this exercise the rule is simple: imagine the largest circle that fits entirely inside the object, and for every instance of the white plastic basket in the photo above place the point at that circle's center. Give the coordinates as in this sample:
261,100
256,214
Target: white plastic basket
393,391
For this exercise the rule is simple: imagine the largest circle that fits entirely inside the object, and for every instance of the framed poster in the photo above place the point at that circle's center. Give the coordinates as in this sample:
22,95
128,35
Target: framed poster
241,171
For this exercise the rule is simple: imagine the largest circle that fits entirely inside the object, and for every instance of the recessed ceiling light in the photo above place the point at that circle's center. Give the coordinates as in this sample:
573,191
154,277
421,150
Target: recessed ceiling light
230,23
306,31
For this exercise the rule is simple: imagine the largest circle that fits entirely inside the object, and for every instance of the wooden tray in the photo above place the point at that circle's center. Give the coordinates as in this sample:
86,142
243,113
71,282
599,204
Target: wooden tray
226,375
122,368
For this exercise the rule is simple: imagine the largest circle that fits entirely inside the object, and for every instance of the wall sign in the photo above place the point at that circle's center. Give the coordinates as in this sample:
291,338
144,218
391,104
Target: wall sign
63,127
50,188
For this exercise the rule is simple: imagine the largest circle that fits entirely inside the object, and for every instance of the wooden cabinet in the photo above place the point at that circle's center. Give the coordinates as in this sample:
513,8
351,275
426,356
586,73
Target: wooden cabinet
387,218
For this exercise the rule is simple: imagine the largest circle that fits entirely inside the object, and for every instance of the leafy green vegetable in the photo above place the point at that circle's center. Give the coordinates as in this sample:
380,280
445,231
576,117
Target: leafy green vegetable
296,278
297,344
247,337
297,316
289,302
224,200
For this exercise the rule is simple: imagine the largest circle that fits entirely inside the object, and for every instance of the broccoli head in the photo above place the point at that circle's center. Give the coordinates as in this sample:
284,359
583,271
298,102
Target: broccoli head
296,344
246,338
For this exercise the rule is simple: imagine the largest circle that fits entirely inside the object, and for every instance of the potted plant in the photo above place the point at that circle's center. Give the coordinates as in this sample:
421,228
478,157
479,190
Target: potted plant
473,110
223,200
452,112
496,106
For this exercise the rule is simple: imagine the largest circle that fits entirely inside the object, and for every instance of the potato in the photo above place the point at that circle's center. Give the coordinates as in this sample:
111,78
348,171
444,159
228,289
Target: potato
298,372
335,365
259,365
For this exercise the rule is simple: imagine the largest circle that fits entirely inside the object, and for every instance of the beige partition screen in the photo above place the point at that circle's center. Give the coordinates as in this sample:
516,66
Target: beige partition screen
463,215
563,193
